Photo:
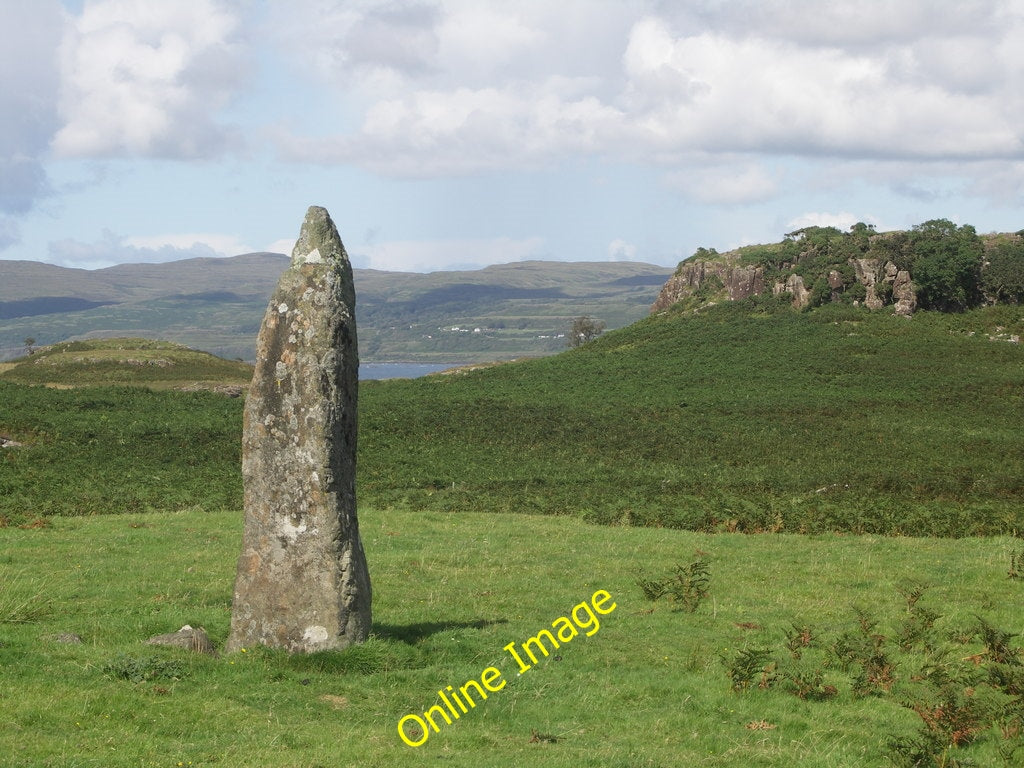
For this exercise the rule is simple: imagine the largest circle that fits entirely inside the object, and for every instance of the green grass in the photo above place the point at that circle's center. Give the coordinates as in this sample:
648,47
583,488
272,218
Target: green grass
738,419
102,450
450,591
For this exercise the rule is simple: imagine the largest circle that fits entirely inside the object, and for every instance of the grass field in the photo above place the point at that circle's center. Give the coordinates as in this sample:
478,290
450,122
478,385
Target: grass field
821,644
100,450
649,688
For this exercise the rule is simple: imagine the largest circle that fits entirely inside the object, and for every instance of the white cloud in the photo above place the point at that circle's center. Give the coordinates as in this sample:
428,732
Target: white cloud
113,249
773,96
284,245
433,133
475,36
29,34
843,220
863,24
867,81
386,48
144,78
429,256
507,85
400,37
361,46
222,245
620,250
8,232
726,183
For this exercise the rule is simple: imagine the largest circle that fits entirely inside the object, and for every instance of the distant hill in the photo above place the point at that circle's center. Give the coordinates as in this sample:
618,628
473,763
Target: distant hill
155,364
500,312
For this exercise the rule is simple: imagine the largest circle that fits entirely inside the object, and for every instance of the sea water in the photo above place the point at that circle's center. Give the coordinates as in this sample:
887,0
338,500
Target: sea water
400,370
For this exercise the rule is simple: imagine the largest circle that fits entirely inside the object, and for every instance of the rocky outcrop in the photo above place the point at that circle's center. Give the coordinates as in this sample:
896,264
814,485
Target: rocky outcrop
724,278
904,297
794,285
724,275
674,290
836,284
867,275
302,582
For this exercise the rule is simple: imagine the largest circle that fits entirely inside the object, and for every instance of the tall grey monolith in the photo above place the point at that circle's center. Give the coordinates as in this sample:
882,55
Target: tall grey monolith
302,582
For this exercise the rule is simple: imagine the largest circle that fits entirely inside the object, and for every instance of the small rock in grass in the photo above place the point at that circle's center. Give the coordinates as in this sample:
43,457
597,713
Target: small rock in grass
66,637
188,638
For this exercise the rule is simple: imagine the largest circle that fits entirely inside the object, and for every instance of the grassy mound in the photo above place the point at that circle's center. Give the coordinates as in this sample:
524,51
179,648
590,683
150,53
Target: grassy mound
128,361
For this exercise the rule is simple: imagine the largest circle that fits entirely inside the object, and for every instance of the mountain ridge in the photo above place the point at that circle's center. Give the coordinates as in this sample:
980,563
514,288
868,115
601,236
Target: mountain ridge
216,304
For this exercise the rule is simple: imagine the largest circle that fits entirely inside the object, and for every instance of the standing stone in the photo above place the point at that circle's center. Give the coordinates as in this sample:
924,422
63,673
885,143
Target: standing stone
302,581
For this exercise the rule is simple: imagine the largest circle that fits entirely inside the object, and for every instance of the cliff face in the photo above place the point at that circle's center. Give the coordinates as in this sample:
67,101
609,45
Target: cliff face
874,279
723,274
936,265
724,278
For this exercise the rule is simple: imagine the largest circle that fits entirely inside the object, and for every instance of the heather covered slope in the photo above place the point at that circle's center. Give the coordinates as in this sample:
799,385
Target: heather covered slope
745,416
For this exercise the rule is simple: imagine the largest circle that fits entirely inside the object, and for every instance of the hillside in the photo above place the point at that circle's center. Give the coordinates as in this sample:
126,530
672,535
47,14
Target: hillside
826,649
746,416
499,312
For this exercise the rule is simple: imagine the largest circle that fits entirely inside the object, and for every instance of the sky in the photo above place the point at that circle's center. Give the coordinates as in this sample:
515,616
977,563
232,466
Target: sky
453,134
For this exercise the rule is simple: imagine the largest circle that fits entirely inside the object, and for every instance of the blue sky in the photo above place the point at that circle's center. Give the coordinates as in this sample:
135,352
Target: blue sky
449,134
